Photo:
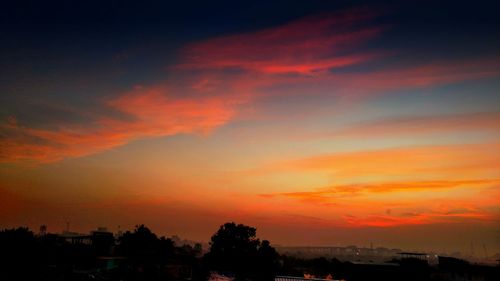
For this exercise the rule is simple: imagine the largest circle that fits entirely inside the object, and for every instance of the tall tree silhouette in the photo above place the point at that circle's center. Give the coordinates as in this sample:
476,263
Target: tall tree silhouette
146,252
139,244
235,248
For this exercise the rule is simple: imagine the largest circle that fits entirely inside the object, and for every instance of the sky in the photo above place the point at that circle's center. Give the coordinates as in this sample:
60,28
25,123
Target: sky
318,122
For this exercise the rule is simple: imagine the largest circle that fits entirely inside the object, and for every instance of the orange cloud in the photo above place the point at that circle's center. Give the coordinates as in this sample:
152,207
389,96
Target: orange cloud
355,197
416,219
348,206
330,195
396,186
439,160
432,212
363,210
152,112
158,114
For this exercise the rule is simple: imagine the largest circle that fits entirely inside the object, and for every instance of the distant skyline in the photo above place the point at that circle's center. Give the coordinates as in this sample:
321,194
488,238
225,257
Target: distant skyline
317,122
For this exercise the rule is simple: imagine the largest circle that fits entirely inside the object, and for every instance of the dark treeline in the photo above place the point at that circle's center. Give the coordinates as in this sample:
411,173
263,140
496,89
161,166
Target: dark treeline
234,251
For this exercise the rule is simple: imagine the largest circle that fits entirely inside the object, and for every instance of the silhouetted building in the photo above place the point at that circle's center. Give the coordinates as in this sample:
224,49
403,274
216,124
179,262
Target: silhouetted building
102,241
76,238
410,255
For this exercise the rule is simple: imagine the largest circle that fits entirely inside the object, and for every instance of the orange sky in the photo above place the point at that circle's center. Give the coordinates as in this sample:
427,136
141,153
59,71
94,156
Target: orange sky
303,129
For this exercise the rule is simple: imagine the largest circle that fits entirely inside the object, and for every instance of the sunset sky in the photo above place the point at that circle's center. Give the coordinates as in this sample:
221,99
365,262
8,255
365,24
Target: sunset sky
318,122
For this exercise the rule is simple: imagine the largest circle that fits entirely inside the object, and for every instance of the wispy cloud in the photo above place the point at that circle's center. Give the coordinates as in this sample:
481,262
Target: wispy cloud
417,218
151,113
373,205
214,76
397,186
330,194
420,125
458,160
305,46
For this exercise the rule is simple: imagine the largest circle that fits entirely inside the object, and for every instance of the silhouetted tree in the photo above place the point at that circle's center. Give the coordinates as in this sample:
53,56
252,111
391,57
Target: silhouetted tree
148,254
267,261
139,244
236,249
141,248
19,254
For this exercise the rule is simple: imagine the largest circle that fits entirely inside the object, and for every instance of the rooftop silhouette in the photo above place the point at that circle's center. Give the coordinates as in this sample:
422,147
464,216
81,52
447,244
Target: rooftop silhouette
235,253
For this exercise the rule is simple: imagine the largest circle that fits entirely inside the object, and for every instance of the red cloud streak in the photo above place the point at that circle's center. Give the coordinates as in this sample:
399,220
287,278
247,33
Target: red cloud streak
292,58
304,46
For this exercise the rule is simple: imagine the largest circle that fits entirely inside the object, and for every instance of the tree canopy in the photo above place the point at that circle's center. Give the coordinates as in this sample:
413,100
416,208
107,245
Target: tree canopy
235,248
